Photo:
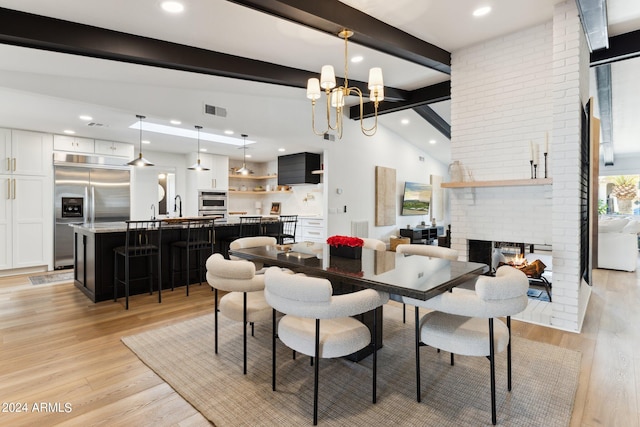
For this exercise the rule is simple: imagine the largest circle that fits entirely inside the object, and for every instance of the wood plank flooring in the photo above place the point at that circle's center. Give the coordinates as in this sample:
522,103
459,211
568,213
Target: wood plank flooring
57,348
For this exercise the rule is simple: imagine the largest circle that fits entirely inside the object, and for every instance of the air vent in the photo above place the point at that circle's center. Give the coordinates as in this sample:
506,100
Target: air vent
215,111
329,137
94,124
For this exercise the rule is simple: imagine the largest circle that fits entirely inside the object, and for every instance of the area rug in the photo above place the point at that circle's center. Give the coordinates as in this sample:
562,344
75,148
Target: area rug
48,279
545,378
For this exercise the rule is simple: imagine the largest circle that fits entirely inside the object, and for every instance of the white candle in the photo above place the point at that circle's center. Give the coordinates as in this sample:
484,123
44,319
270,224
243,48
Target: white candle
530,150
546,142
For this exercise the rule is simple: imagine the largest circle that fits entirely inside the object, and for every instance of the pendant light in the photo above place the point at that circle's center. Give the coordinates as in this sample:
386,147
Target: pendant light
197,166
140,161
243,170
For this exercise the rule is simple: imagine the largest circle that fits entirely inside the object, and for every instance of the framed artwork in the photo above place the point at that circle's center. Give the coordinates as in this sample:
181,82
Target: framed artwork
275,208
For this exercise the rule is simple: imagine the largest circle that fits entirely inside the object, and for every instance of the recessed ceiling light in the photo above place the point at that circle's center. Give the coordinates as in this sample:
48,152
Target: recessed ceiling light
203,149
281,149
481,11
69,132
432,141
172,6
175,122
146,141
85,117
228,132
357,59
248,155
404,121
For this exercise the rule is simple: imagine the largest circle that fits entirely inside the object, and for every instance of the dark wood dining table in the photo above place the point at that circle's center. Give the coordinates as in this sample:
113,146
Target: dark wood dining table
413,276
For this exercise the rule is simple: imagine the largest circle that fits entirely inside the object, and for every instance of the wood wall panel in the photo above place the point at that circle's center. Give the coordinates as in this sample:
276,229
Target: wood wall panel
385,196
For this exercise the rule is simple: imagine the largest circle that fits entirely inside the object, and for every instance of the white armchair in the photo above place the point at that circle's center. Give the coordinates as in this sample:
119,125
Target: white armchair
318,323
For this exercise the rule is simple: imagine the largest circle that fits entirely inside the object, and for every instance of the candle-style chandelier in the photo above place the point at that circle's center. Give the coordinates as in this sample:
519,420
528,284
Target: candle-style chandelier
336,95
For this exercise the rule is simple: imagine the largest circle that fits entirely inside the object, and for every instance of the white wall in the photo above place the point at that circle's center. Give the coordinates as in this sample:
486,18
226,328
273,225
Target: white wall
506,93
350,166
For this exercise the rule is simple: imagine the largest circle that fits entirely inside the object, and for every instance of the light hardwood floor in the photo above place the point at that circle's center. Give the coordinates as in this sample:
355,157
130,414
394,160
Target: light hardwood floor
58,347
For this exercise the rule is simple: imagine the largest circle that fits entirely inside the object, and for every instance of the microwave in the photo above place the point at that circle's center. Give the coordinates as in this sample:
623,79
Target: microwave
212,202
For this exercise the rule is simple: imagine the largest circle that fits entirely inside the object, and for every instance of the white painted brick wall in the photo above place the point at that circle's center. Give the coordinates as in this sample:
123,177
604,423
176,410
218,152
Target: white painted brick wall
507,92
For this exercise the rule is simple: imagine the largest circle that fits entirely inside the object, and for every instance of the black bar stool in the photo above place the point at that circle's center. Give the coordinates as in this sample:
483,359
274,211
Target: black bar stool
143,240
199,240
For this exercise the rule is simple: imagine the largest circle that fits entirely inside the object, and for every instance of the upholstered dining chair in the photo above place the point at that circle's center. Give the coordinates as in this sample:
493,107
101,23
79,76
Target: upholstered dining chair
375,244
244,301
318,323
252,242
424,250
466,322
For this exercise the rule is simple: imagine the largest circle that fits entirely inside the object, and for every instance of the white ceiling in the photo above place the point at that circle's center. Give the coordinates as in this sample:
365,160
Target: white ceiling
47,91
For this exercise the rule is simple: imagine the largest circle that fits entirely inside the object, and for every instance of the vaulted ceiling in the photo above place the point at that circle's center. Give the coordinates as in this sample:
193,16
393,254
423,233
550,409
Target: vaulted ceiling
113,60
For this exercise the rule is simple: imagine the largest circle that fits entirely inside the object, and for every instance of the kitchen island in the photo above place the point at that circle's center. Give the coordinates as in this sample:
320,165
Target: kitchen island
93,259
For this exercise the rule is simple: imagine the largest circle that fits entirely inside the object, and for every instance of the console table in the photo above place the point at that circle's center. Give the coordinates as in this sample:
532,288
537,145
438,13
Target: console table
424,235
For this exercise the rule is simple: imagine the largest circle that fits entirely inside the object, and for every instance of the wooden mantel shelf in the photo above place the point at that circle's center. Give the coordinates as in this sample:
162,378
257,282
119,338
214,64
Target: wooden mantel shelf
499,183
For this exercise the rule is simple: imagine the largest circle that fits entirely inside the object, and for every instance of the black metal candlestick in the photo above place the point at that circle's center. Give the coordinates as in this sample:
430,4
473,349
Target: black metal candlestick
535,171
531,163
545,164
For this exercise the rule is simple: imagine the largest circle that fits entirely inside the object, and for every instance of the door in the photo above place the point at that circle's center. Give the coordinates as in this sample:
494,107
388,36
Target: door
110,189
70,182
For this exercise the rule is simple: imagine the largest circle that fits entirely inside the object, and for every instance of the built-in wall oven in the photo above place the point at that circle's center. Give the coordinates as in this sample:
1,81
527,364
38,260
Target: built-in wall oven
212,203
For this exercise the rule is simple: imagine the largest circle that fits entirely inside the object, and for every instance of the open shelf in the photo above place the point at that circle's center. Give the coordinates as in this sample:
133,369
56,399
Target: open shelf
498,183
238,176
252,192
318,172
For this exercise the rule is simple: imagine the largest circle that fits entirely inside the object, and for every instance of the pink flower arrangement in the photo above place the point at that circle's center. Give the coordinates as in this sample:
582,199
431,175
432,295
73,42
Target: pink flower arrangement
354,242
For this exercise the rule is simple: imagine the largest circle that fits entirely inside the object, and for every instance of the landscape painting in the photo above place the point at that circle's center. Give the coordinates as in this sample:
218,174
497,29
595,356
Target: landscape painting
416,199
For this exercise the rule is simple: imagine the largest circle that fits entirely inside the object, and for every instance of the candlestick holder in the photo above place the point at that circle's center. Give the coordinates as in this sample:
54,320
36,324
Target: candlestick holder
531,165
535,171
545,164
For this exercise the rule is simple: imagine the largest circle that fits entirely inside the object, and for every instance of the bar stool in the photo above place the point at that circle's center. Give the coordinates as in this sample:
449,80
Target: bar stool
142,240
250,226
286,232
200,238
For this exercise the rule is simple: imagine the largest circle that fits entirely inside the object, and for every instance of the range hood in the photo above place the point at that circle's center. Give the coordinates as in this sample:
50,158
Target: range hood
297,169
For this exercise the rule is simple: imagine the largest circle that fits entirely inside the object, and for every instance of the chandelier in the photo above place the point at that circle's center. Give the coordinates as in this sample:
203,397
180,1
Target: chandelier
336,96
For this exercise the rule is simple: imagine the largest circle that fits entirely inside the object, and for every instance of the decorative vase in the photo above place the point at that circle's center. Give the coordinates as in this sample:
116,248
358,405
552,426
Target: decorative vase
456,171
346,251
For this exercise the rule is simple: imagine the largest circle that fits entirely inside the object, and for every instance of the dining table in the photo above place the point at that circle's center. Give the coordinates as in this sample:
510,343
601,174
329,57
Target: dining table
414,276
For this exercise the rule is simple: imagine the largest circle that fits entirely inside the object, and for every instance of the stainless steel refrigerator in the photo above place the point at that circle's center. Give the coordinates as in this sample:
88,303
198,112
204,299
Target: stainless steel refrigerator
88,189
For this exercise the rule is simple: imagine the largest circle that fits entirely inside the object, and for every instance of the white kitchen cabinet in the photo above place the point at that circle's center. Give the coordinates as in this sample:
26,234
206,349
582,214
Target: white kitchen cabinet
25,221
73,144
113,148
25,152
26,199
311,230
216,178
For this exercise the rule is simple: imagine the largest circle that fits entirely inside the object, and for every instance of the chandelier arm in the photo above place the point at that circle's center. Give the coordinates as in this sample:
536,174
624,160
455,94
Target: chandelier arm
313,119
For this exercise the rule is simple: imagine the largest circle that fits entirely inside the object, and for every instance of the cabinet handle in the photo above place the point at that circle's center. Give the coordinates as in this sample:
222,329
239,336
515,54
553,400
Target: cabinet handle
8,164
8,189
213,183
317,233
14,189
14,164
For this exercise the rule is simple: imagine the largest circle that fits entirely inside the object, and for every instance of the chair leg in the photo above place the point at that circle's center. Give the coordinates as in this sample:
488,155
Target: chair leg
244,330
252,329
159,276
404,313
417,354
172,262
509,355
126,283
375,352
316,372
188,268
451,359
493,373
115,277
273,350
215,310
150,272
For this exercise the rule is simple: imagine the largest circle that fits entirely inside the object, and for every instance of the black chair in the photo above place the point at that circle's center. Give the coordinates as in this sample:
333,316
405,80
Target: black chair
142,240
286,231
250,226
199,240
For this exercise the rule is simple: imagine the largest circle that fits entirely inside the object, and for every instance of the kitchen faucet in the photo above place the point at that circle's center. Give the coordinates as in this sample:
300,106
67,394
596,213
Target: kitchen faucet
175,204
153,211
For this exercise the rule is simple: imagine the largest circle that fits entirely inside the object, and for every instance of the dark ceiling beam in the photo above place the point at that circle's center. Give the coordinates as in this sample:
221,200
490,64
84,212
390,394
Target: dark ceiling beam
623,46
40,32
423,96
434,119
331,16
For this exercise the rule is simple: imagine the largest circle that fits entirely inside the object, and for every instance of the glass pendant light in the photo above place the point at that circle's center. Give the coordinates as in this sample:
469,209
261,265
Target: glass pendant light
243,170
140,161
197,166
